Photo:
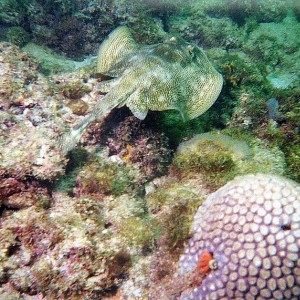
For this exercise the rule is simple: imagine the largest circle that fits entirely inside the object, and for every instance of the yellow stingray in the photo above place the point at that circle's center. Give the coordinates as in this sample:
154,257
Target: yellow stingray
170,75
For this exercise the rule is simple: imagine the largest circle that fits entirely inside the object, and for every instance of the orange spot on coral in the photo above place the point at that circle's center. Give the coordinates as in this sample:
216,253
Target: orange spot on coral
203,262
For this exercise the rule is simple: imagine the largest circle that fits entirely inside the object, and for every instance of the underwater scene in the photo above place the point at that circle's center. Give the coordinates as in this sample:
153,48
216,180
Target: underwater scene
149,149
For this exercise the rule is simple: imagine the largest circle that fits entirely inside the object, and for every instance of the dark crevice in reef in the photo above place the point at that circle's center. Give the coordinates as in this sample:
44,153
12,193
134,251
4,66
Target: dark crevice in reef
13,249
66,183
5,208
18,193
2,208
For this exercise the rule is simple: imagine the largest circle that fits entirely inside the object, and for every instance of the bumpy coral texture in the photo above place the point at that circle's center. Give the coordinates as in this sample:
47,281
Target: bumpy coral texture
251,226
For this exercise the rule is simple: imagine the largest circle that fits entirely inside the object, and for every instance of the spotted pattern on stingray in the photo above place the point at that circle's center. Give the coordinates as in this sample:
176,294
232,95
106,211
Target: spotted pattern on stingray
252,228
170,75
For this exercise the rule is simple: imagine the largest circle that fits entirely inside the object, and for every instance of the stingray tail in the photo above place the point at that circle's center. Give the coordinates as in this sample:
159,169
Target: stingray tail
69,139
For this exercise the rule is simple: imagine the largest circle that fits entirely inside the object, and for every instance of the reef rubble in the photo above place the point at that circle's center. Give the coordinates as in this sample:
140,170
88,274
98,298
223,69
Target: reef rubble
123,215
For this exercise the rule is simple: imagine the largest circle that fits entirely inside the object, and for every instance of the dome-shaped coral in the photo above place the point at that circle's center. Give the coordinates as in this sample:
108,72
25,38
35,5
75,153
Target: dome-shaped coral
251,230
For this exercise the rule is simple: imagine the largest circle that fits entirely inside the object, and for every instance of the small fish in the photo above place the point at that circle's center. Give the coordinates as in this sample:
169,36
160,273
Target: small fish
206,262
171,75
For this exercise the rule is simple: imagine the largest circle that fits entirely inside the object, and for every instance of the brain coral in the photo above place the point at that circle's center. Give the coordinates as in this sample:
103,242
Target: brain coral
246,242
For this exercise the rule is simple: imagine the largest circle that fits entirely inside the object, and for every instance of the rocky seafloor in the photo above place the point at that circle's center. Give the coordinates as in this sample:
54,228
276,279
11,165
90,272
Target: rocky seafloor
113,219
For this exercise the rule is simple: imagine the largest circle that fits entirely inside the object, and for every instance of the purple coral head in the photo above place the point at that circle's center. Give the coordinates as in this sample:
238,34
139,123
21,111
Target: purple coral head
251,226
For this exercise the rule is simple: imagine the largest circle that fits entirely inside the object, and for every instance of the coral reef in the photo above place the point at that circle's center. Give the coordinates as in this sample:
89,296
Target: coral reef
75,28
251,229
58,252
99,177
28,133
136,143
99,222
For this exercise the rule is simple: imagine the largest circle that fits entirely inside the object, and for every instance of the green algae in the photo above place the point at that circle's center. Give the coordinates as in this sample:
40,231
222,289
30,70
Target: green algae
173,207
219,158
293,161
67,182
141,232
74,89
18,36
100,177
53,63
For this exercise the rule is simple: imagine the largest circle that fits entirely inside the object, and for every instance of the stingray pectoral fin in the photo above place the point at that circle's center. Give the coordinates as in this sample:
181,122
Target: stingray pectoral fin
116,47
137,102
139,110
140,114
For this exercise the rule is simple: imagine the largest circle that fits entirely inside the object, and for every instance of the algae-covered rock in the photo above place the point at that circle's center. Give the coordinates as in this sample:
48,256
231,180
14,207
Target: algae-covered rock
241,10
220,158
28,144
207,31
277,45
64,250
138,144
172,206
51,62
18,36
101,177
